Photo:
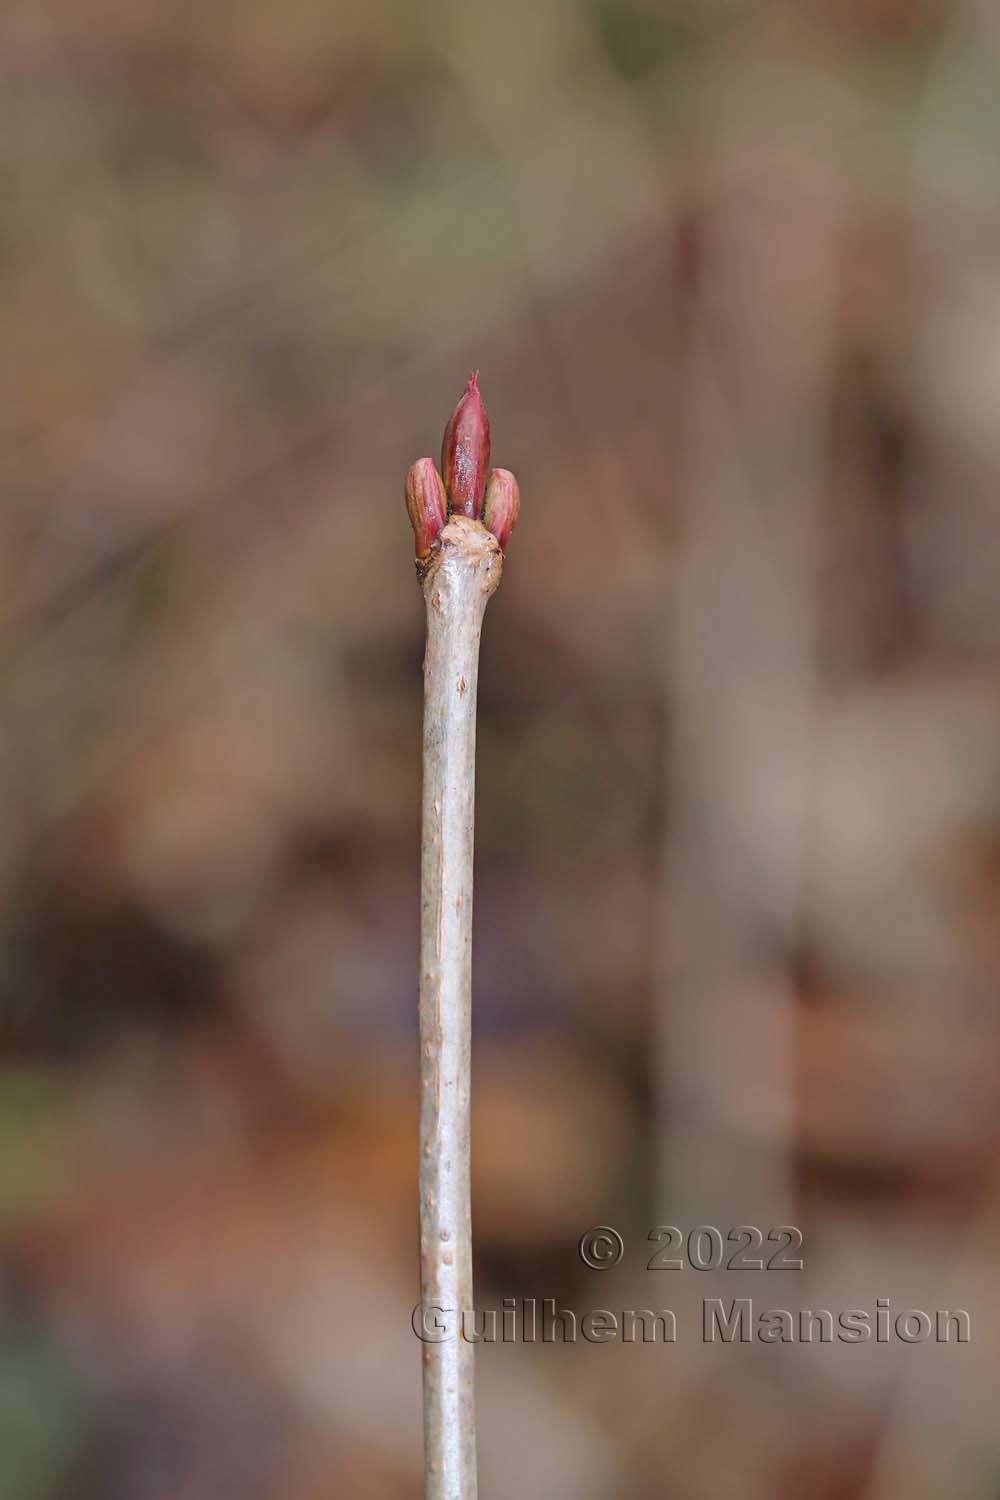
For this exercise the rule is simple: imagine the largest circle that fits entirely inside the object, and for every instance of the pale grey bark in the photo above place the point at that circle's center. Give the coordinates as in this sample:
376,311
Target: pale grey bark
462,574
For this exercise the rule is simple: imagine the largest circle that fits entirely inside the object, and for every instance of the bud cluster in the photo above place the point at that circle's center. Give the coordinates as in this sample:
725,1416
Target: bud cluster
469,488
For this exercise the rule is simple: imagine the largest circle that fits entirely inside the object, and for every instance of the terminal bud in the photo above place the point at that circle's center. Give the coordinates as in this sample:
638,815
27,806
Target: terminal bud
465,453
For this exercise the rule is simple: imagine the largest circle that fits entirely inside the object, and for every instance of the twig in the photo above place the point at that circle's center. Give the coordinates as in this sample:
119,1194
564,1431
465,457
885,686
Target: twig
459,561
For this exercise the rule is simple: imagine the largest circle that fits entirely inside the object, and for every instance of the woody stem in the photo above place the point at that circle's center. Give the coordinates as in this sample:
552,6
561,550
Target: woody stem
462,574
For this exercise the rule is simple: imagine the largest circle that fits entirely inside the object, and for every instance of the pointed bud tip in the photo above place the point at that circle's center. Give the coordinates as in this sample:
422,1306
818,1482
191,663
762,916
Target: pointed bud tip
502,505
426,505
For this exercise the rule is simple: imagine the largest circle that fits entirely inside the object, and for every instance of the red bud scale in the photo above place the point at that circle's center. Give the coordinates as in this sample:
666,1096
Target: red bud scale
465,453
425,504
502,505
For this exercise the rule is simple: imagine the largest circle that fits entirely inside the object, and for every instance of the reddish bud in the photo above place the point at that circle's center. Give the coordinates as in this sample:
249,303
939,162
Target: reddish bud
425,504
465,453
502,505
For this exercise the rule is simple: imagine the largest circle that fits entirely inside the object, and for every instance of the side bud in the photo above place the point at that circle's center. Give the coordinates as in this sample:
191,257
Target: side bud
502,505
465,453
425,504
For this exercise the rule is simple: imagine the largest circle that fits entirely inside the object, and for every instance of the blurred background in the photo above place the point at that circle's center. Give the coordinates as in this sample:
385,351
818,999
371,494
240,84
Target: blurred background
730,270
